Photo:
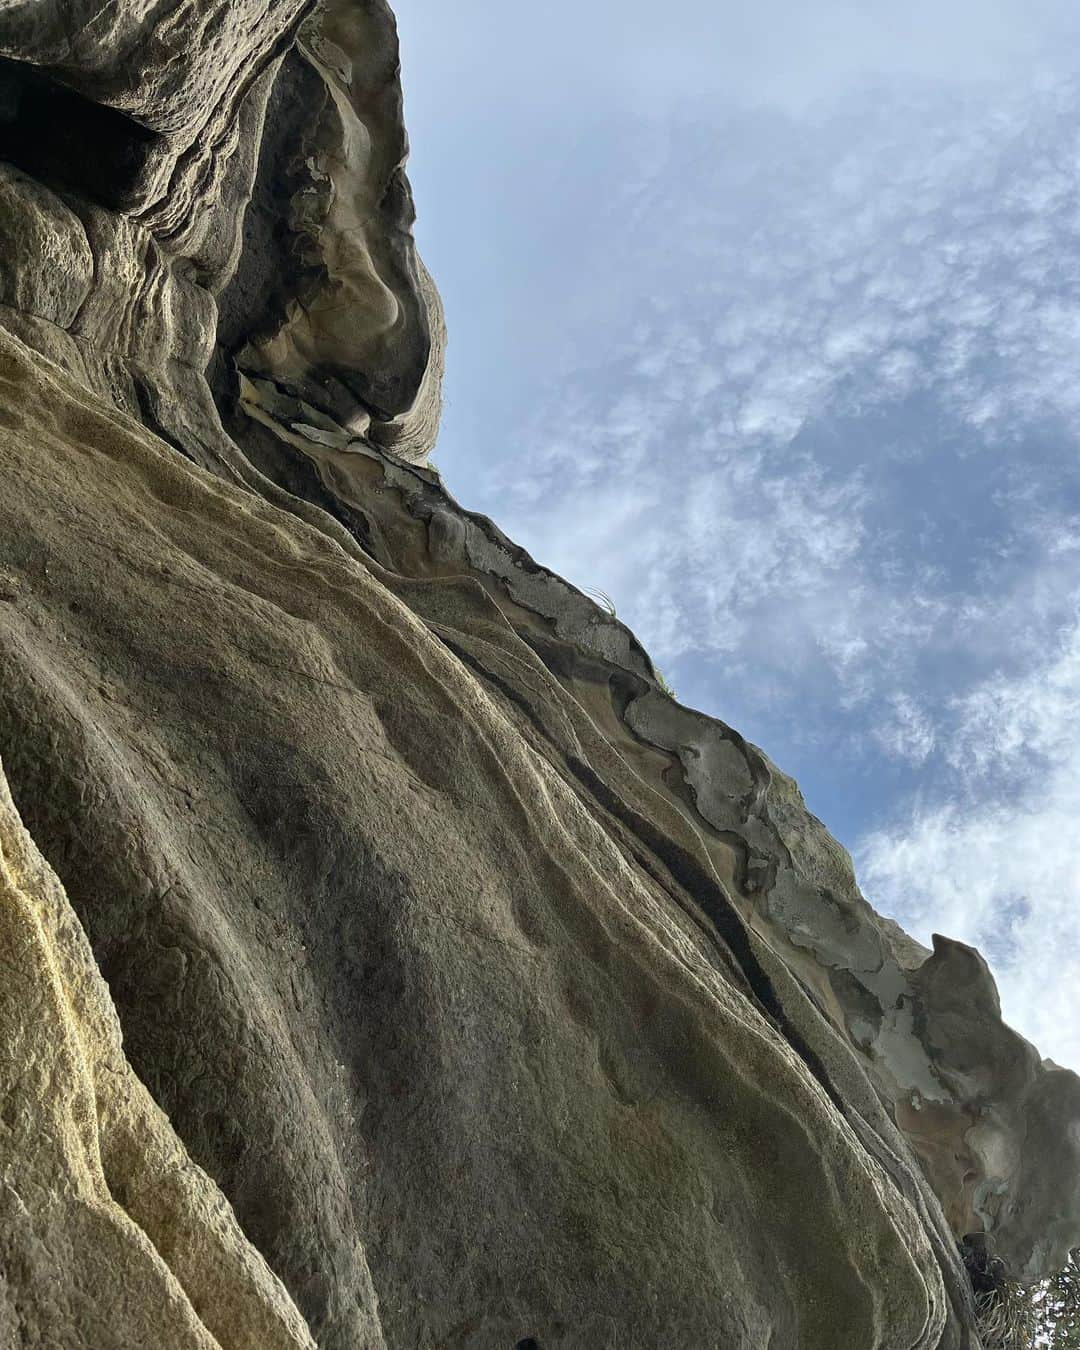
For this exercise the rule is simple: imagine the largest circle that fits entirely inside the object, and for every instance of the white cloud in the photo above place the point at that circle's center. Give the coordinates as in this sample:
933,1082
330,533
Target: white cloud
878,258
905,731
991,853
565,57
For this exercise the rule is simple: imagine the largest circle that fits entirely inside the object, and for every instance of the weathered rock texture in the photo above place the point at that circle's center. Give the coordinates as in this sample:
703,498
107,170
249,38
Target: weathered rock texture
109,1234
491,996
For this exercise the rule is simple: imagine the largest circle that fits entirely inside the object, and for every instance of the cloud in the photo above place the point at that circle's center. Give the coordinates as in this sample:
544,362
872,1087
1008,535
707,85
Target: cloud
819,394
990,855
906,731
564,56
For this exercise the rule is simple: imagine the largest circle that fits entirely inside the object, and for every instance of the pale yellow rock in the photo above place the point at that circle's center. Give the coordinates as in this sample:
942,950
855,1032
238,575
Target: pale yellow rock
110,1236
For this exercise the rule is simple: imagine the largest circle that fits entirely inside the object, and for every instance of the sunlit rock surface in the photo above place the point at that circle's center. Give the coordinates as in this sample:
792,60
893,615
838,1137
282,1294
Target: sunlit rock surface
472,991
109,1233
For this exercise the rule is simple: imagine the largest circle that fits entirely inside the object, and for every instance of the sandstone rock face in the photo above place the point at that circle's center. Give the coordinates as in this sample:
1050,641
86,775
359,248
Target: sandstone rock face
109,1234
388,961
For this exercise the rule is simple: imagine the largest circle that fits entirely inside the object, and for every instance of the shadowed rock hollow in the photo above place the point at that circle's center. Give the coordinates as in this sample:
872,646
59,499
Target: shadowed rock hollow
387,961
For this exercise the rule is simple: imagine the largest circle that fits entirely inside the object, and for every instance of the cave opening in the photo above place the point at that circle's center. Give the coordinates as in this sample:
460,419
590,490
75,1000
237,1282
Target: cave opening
60,136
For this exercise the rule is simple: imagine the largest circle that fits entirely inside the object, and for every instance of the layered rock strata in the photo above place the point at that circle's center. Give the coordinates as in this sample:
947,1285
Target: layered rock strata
472,991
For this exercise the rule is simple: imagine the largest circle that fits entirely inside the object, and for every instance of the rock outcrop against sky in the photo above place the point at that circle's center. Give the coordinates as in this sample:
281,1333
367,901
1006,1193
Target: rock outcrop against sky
387,959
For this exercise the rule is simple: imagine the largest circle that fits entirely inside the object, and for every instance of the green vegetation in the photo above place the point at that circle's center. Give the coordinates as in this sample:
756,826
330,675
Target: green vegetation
1045,1316
603,598
606,602
664,684
1057,1308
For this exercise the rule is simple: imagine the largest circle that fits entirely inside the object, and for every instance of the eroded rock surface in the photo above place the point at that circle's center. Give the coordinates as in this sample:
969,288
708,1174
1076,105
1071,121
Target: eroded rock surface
490,995
109,1233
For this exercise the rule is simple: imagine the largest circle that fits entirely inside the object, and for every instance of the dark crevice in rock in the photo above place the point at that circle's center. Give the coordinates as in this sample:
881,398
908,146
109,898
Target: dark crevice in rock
271,270
683,869
284,44
729,924
298,476
145,397
65,139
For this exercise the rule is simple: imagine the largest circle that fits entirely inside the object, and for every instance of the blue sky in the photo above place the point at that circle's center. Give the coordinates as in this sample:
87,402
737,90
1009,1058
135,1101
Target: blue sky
766,322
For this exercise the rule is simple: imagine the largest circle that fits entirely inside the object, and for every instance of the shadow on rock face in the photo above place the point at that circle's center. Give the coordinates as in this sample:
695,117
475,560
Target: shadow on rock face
68,141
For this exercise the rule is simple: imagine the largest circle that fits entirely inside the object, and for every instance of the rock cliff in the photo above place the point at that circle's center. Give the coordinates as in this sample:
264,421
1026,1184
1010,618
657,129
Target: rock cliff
387,960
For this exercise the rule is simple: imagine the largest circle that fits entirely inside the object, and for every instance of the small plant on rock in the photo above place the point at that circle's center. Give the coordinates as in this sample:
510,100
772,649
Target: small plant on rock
1012,1316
